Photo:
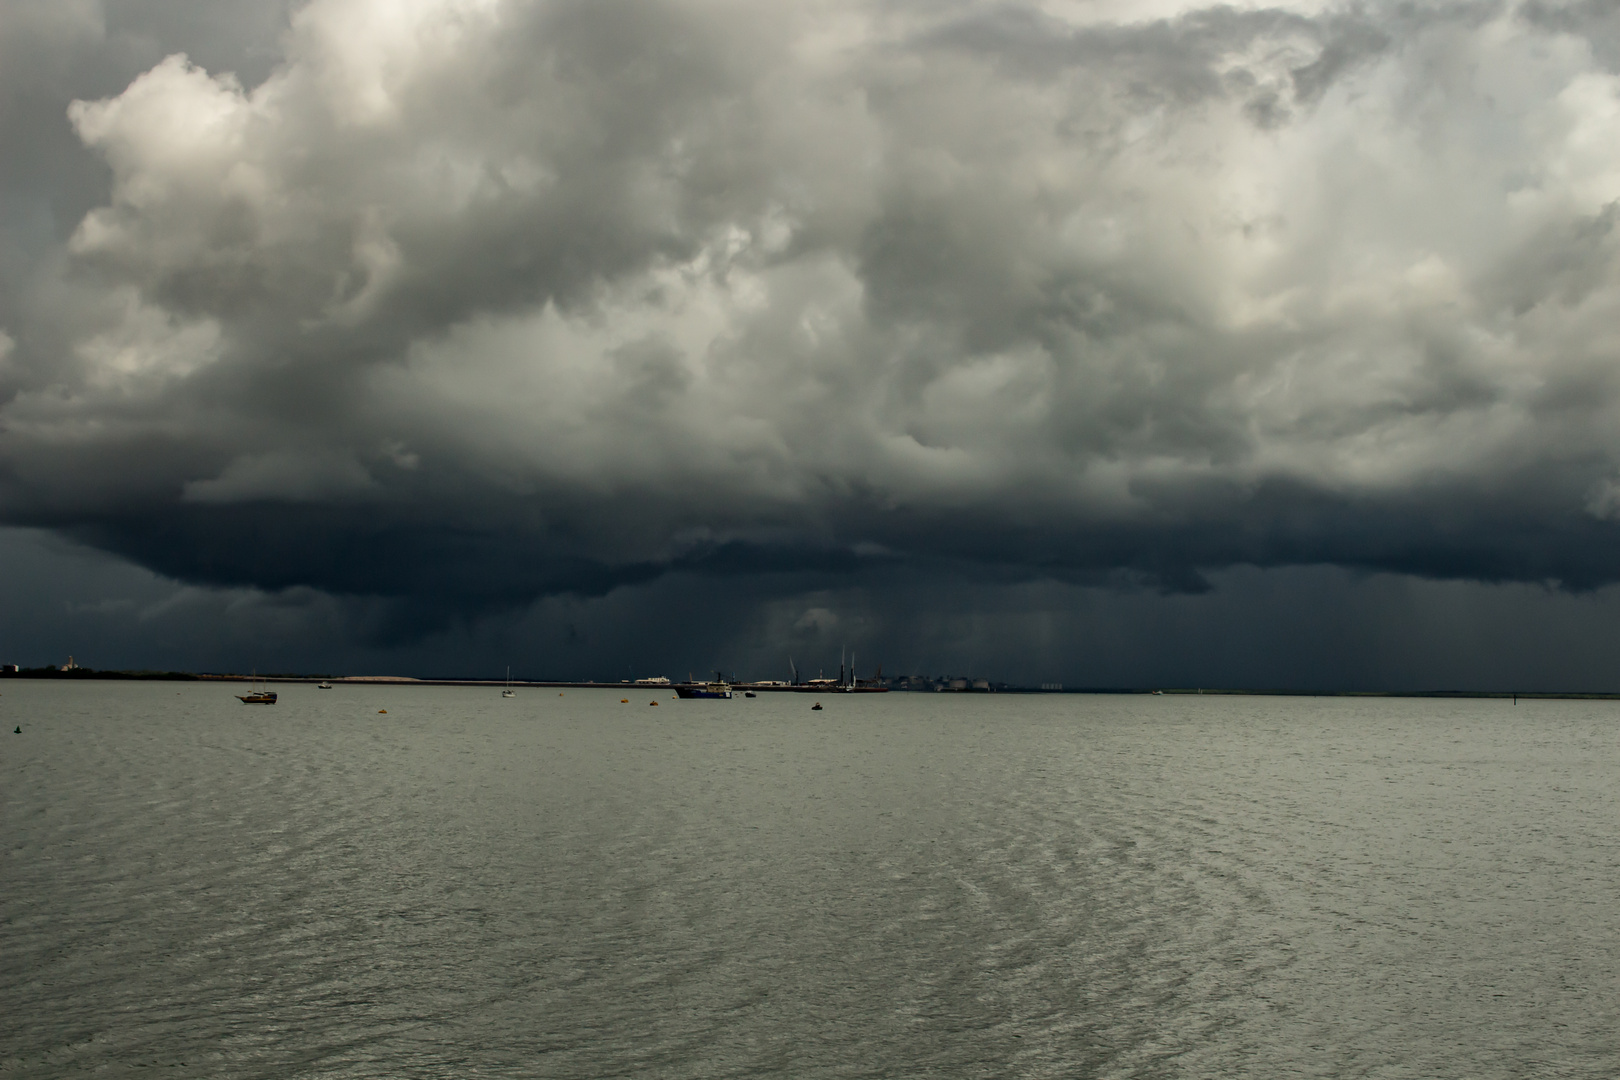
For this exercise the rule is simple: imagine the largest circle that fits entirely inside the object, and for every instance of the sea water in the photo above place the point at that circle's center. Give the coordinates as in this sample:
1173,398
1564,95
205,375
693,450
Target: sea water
904,885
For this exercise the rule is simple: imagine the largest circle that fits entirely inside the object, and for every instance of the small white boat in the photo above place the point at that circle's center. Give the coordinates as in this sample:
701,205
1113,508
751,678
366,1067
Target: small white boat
323,685
508,692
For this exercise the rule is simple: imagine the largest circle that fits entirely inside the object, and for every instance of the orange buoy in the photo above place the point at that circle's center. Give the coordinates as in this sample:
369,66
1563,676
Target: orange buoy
624,701
381,711
652,702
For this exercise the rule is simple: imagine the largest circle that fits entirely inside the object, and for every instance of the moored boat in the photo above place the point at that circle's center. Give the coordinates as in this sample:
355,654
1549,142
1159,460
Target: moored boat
704,690
717,689
256,695
844,684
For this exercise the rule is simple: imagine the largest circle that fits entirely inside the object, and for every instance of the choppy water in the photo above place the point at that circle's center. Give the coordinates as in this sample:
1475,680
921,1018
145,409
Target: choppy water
899,886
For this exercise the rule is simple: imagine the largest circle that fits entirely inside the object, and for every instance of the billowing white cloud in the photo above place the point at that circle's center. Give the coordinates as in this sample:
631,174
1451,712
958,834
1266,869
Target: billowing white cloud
1072,287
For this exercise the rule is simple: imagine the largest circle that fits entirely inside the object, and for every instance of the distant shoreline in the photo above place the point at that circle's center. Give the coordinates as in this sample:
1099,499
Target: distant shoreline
82,674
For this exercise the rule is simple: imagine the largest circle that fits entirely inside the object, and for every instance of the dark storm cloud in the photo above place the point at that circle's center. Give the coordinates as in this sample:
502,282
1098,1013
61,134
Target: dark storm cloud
466,303
1307,628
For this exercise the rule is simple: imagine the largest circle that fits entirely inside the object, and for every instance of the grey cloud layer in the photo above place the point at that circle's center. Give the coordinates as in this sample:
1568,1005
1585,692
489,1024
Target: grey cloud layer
478,301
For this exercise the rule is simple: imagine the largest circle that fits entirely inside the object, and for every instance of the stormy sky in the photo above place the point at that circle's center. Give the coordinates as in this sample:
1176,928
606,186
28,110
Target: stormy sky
1110,343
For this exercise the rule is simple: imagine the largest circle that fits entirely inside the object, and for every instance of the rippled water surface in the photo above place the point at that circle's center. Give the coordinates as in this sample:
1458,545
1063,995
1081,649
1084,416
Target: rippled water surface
898,886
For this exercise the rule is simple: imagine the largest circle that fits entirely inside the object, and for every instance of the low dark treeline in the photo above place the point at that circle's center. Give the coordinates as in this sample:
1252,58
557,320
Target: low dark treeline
91,673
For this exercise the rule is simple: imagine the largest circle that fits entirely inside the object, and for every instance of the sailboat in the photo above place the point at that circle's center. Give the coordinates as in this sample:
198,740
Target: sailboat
508,692
256,695
846,683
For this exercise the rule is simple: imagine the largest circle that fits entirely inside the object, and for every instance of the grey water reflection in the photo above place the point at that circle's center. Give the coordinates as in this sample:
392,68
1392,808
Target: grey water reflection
907,885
